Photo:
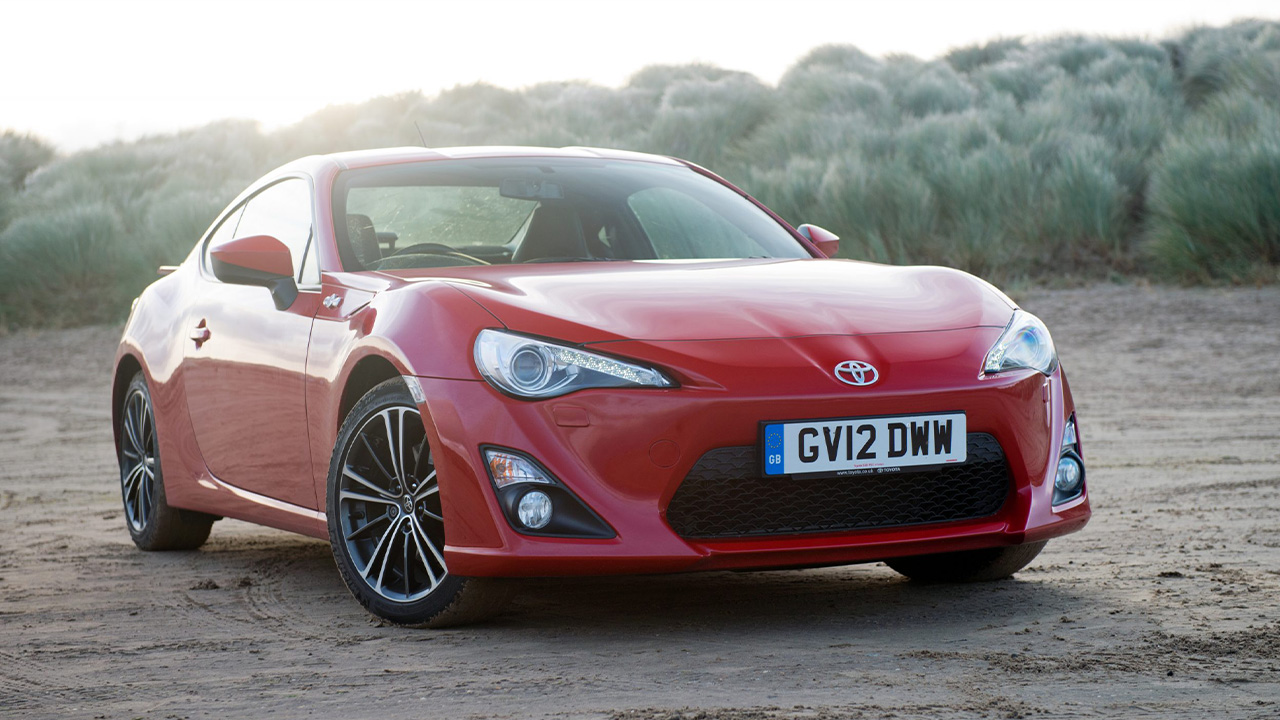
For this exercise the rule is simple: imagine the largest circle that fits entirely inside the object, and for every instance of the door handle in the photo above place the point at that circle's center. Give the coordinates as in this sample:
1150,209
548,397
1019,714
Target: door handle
201,334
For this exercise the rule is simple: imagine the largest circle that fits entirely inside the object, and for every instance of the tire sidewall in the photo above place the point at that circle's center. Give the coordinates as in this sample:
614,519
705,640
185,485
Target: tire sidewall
146,537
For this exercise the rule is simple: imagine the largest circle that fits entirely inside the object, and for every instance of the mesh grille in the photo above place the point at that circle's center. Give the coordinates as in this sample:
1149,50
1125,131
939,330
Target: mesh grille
725,496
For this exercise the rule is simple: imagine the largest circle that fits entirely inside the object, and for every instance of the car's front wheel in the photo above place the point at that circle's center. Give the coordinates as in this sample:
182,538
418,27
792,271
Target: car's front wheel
386,523
968,565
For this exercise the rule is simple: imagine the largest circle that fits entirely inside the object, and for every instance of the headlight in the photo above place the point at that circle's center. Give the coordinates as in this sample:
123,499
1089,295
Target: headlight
1025,343
533,368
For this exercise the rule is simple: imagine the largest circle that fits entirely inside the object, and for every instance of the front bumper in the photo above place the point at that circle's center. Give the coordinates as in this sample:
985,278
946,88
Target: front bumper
625,453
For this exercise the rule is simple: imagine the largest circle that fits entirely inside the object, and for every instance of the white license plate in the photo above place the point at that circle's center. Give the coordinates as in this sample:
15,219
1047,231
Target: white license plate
863,445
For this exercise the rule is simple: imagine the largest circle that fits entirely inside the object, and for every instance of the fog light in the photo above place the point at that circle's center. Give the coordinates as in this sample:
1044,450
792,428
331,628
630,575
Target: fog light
1070,475
534,510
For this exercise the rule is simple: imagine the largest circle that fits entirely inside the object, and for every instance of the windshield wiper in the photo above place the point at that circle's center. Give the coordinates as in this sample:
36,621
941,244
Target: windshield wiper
568,259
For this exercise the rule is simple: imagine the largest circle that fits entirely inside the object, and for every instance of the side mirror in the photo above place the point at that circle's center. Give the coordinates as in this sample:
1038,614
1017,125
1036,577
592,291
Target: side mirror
828,242
257,260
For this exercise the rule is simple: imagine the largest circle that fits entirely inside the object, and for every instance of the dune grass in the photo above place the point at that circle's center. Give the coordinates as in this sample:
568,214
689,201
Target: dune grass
1068,158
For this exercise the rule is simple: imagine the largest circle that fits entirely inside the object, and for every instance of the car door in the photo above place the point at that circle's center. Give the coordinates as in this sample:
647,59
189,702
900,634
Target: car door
244,361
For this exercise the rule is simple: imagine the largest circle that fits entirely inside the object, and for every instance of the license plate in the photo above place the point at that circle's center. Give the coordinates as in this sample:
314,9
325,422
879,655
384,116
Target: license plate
863,445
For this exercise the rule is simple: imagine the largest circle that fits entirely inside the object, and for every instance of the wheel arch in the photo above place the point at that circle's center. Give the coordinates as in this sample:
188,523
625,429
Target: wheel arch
367,373
126,367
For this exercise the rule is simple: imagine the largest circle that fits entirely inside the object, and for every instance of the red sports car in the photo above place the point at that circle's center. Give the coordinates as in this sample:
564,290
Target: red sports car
469,364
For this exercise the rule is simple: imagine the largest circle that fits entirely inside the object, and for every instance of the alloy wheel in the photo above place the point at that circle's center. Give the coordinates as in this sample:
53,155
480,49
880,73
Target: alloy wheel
389,506
138,460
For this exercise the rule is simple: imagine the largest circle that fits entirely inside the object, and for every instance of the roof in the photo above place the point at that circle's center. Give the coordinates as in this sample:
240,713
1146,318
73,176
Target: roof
388,156
317,165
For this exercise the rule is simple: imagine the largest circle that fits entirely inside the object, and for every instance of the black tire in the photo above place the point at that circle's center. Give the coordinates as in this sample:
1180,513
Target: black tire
368,475
152,524
969,565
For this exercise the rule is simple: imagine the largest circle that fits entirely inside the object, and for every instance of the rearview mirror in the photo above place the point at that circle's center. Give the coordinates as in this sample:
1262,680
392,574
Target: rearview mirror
828,242
257,260
526,189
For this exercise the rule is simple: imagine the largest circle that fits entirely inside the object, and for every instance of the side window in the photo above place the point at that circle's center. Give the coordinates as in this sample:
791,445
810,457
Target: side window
225,231
283,211
679,226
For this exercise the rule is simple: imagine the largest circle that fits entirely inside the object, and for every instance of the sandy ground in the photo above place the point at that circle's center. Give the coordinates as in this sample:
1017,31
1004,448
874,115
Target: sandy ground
1166,605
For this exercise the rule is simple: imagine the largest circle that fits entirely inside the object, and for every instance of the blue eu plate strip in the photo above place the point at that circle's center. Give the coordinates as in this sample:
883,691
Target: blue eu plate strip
773,450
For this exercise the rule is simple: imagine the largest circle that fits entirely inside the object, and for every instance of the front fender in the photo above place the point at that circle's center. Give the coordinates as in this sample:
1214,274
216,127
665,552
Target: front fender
425,329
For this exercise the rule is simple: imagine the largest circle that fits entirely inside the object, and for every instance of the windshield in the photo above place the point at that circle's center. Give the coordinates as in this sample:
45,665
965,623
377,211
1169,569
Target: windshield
537,210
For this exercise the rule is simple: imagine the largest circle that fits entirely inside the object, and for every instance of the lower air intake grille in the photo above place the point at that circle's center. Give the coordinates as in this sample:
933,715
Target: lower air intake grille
724,496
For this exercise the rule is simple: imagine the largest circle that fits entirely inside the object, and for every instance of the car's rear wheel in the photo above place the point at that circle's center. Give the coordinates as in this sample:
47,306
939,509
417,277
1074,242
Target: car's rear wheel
152,524
386,523
968,565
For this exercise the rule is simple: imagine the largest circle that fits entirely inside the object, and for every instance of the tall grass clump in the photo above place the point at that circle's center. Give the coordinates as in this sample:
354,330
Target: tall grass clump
970,58
62,266
20,156
1215,196
700,119
1214,202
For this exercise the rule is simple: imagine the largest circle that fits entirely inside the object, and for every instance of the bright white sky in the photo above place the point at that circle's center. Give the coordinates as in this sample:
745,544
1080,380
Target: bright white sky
81,73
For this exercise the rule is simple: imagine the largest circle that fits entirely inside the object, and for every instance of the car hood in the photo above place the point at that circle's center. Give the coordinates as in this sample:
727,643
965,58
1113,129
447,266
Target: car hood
721,300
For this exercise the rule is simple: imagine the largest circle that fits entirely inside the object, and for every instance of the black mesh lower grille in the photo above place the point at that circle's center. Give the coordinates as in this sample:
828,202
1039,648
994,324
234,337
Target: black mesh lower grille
725,496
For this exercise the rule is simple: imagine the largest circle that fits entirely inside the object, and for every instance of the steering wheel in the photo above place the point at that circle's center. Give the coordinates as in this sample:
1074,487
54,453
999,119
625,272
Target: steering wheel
436,249
421,248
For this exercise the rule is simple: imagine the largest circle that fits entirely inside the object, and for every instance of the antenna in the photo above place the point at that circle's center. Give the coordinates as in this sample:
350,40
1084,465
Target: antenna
420,135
